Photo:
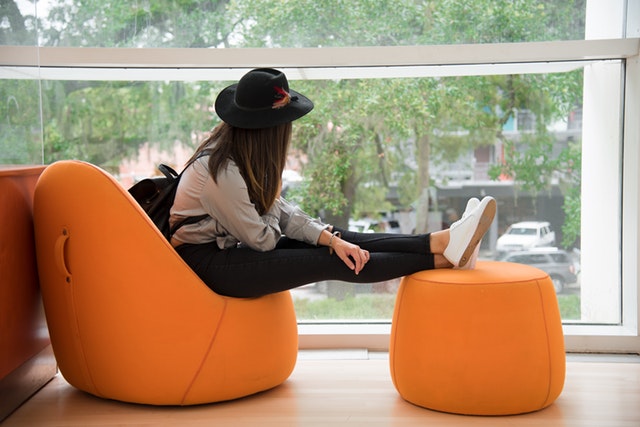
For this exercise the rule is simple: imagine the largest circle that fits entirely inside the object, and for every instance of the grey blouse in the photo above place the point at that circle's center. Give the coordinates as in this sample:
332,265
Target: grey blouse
233,218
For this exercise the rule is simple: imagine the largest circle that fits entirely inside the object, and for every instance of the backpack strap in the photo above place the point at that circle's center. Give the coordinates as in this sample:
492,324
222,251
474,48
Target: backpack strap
185,221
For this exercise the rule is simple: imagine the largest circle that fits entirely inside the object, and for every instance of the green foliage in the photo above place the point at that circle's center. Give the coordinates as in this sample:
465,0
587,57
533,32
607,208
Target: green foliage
20,140
572,211
158,23
569,307
571,161
533,162
532,166
331,23
322,191
102,122
365,306
505,21
535,168
380,306
385,131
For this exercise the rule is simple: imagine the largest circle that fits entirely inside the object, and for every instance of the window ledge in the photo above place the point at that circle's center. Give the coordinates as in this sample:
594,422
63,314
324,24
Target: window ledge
376,336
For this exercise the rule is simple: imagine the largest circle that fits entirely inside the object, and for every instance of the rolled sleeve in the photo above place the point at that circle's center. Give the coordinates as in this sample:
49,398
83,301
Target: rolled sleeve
298,225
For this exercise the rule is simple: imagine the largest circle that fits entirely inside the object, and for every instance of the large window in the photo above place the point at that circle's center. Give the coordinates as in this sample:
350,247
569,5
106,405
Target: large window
419,105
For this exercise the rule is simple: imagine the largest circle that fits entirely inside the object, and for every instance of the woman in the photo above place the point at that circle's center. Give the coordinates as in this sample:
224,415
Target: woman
253,242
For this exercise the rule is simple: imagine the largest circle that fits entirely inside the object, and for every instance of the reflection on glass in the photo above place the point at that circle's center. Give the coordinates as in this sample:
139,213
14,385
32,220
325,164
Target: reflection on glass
20,127
20,124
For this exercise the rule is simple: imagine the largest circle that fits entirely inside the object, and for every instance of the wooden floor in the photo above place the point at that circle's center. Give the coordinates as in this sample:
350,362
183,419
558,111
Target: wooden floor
351,388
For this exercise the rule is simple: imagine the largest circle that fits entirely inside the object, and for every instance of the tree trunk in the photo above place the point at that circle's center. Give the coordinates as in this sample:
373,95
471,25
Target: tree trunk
422,209
349,191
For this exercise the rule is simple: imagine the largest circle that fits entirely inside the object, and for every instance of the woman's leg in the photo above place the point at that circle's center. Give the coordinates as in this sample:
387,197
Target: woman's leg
245,273
432,243
388,242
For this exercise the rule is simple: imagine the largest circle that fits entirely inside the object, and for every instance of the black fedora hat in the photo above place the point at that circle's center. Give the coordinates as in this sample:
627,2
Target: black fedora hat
261,99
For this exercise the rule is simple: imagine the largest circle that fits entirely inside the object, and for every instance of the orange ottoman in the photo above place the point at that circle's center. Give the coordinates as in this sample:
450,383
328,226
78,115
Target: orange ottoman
479,342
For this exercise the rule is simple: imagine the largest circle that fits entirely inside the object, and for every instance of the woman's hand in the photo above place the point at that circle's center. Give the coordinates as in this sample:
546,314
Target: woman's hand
352,255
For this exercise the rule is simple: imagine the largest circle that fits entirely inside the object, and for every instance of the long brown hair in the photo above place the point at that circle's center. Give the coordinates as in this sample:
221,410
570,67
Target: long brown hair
260,155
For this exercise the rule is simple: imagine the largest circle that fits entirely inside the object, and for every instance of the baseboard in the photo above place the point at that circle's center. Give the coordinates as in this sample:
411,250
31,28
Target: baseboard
23,382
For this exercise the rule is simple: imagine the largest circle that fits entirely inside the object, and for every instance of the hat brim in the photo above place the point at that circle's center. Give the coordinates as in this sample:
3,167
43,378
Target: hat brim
231,113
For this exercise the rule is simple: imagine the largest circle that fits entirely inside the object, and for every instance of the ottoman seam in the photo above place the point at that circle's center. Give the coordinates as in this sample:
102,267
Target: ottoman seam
399,300
546,332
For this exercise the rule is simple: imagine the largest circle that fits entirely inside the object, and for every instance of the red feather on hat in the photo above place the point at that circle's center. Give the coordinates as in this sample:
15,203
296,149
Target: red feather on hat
286,98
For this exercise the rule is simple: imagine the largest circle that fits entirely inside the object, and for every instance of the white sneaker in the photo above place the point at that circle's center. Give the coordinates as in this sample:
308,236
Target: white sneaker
472,203
466,233
471,264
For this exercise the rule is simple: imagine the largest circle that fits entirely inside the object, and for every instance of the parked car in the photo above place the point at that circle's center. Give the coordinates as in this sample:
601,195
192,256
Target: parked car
371,226
392,226
526,235
557,263
362,226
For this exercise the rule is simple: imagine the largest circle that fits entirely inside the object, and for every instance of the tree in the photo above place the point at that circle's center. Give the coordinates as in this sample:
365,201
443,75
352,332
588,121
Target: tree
15,28
364,135
19,106
158,23
103,121
441,116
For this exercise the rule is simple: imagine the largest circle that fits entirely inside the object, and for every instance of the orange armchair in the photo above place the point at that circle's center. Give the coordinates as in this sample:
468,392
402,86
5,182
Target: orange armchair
129,320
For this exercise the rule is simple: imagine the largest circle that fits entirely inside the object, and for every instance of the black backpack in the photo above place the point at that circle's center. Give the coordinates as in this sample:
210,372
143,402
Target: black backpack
156,196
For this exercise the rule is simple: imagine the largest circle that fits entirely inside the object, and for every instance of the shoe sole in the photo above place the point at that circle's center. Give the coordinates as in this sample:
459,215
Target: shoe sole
486,219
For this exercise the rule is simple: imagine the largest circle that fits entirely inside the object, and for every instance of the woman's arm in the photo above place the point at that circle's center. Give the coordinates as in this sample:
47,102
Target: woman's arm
352,255
300,226
296,224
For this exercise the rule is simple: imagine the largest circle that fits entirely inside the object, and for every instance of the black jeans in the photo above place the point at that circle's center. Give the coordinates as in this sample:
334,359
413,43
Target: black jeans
245,273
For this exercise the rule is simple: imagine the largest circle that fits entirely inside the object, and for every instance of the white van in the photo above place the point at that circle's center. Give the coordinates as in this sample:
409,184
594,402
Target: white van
526,235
